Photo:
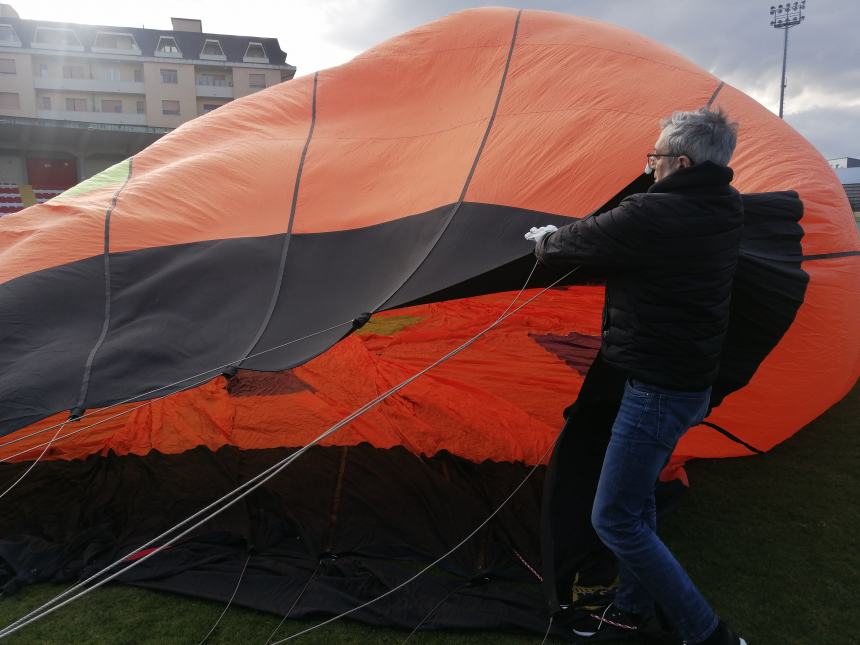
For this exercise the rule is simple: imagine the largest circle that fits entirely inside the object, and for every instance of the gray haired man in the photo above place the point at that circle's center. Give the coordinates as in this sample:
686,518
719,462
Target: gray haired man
669,256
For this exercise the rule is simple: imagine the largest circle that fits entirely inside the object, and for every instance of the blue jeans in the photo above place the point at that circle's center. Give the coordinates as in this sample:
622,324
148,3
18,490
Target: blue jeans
649,424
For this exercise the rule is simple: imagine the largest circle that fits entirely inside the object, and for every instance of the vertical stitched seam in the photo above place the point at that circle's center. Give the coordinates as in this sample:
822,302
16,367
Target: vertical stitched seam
88,367
714,96
474,167
276,293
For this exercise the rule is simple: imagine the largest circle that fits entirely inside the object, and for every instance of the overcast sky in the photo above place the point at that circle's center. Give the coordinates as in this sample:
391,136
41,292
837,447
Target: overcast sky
730,38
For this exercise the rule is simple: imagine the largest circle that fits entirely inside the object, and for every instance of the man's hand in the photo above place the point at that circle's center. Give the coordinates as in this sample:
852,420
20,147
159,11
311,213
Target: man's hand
535,234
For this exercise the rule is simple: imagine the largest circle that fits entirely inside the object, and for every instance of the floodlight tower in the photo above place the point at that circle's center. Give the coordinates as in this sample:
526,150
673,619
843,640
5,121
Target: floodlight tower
785,16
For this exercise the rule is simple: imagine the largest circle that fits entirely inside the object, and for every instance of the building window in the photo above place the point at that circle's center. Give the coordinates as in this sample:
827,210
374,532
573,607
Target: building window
109,74
116,42
169,76
74,71
8,37
111,105
208,107
138,76
170,107
44,102
212,79
54,37
255,53
257,81
141,107
43,69
9,101
167,47
7,65
76,105
212,49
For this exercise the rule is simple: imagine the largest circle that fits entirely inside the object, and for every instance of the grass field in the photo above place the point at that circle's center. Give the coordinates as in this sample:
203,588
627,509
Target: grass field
771,541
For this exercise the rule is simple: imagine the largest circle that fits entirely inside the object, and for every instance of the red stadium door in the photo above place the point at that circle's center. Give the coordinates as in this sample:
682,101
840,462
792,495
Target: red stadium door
52,173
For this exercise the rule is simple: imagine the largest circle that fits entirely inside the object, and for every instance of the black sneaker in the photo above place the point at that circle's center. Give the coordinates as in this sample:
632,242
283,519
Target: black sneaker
613,624
723,635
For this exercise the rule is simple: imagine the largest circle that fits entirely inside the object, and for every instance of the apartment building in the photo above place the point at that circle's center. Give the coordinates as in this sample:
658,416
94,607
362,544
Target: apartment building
75,99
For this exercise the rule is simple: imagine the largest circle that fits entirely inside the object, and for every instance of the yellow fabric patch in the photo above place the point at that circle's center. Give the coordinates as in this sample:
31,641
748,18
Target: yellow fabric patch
388,325
113,176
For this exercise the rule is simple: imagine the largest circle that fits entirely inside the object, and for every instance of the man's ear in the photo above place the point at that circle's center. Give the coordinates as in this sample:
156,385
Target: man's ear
684,161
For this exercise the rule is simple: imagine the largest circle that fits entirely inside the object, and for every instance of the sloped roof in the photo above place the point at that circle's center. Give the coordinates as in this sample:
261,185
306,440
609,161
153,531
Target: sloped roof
190,43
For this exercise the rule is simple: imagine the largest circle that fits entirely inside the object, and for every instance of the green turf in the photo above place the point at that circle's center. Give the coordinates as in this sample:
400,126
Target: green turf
771,541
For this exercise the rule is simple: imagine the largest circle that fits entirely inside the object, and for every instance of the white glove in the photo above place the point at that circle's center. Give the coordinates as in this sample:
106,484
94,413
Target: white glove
535,234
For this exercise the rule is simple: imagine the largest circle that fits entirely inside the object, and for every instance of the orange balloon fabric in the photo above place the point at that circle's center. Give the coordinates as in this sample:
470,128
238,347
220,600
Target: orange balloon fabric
519,118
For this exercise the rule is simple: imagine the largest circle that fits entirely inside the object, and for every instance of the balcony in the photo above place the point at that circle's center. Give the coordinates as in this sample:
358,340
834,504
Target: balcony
208,89
116,118
87,85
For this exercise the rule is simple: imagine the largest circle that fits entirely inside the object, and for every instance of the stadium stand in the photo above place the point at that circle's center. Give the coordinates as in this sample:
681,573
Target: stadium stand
15,197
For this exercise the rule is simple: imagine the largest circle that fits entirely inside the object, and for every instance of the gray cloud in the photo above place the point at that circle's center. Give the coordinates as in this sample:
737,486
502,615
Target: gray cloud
730,38
826,127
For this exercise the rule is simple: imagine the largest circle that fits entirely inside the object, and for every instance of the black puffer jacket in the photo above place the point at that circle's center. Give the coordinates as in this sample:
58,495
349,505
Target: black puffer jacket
670,256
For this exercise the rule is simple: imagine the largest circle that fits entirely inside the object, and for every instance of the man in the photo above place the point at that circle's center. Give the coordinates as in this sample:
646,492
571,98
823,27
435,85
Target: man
670,256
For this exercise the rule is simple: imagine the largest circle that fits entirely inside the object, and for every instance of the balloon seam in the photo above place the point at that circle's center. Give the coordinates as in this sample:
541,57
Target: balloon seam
85,383
289,233
729,435
477,158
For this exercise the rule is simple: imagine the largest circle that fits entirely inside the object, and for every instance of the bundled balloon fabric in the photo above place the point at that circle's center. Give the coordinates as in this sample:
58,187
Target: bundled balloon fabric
263,271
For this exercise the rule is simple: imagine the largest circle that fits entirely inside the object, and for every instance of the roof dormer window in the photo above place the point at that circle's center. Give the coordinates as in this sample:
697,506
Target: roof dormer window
212,50
255,54
115,43
8,37
56,38
167,47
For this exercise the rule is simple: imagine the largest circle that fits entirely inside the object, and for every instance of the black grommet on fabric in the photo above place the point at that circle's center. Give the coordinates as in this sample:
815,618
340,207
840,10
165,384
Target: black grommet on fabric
230,372
479,580
76,413
361,321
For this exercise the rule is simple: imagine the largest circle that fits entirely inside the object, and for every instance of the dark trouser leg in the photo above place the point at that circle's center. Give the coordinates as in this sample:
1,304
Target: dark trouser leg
631,595
649,425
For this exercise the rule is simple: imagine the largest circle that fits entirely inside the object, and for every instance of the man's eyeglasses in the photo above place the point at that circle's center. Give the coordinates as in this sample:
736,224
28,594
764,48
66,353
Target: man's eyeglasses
653,156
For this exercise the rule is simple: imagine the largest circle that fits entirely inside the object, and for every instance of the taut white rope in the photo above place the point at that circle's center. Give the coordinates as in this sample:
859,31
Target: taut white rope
433,611
295,602
229,602
548,628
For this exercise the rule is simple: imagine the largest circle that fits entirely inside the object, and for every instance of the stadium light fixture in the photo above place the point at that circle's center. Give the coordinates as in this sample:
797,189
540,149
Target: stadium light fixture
785,16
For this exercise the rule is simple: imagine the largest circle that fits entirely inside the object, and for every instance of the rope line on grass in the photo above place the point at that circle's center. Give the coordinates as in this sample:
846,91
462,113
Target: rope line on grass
548,628
435,607
295,602
229,602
